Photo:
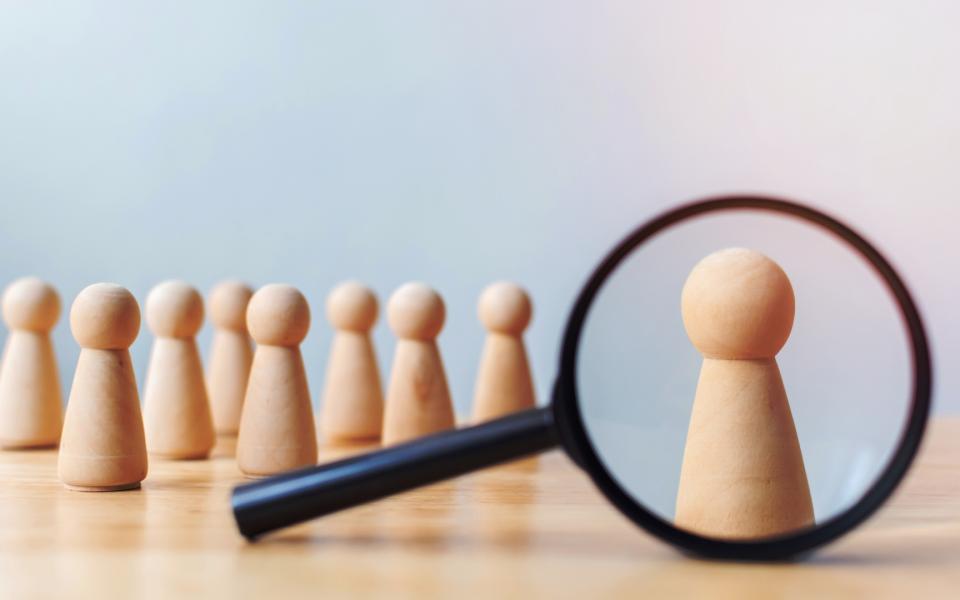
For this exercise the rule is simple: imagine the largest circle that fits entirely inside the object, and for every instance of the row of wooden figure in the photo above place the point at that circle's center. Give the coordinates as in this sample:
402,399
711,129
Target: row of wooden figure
259,394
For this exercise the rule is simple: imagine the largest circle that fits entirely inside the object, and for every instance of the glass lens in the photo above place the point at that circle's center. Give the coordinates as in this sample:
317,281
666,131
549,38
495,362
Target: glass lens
744,375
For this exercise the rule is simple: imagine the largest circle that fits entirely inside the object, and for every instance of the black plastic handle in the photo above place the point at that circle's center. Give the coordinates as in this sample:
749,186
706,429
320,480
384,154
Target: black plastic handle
304,494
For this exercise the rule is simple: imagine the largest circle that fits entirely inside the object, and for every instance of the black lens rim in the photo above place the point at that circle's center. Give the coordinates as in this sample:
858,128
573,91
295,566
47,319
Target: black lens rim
578,444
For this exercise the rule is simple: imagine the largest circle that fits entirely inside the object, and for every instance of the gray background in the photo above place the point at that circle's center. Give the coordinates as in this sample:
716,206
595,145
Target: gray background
459,143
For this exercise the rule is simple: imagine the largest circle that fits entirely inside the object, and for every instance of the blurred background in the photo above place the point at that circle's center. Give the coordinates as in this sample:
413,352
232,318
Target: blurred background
461,143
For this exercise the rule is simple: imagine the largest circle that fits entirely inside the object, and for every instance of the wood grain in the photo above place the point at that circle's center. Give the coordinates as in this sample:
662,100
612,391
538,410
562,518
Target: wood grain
534,528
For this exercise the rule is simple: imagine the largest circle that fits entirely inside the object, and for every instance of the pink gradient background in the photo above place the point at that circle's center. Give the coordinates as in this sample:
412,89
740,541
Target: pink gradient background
459,143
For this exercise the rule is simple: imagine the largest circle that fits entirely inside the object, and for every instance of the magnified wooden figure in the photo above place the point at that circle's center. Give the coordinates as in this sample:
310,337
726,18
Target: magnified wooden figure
743,475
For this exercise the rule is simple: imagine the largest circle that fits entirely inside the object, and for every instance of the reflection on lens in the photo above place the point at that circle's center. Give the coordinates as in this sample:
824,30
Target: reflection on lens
742,474
744,394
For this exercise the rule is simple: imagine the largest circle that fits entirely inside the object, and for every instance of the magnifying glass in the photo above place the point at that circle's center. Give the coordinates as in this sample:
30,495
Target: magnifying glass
743,377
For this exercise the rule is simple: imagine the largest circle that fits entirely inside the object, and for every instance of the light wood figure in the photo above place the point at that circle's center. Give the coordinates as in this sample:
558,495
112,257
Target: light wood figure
176,411
418,398
31,405
352,408
231,354
504,384
277,432
742,475
103,447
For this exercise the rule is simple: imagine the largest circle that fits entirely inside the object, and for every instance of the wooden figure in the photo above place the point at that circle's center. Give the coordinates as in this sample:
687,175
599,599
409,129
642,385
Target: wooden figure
742,475
277,432
418,398
352,396
31,405
175,407
504,384
103,447
231,354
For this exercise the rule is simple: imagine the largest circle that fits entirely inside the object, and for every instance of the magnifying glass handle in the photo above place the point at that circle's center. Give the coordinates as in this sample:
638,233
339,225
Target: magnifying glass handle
308,493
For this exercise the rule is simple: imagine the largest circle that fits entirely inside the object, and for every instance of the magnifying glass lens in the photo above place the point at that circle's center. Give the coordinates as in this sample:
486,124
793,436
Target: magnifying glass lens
744,375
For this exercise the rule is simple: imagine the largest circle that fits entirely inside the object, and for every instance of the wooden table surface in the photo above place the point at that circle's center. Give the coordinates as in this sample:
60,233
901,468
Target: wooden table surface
534,528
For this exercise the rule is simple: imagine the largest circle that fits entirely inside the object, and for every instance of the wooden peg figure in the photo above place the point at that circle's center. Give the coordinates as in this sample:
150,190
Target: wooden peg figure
352,395
504,384
175,406
418,398
31,411
103,446
231,354
276,428
742,475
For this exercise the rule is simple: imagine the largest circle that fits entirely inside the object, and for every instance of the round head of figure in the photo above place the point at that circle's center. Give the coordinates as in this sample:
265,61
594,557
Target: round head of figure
505,307
227,305
738,304
31,304
105,316
415,311
352,306
174,310
278,315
